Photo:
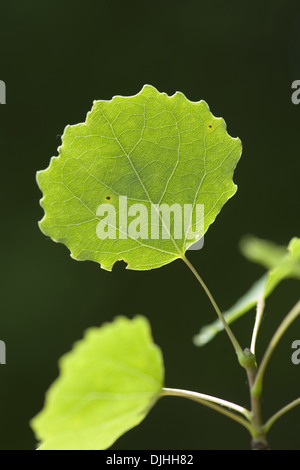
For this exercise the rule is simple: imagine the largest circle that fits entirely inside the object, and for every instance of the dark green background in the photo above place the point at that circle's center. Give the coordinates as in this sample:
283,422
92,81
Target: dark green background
56,58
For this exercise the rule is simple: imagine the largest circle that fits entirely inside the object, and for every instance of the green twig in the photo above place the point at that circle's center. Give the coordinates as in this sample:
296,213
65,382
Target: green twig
288,320
228,330
214,403
259,313
280,413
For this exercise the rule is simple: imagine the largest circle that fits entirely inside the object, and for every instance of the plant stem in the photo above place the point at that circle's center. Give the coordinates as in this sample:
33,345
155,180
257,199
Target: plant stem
215,403
291,316
259,441
228,330
280,413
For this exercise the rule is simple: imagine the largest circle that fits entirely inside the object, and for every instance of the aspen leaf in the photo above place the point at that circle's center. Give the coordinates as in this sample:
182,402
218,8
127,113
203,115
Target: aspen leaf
150,150
107,385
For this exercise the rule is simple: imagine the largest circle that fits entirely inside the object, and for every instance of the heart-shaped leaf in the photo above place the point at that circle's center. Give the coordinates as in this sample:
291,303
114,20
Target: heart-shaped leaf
128,183
107,385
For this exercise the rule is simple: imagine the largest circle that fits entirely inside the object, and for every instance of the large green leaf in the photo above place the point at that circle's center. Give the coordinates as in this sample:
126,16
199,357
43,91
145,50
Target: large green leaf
151,148
283,263
107,385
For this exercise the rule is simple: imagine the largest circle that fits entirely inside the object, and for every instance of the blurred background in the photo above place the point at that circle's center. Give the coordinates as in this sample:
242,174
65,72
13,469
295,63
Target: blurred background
240,57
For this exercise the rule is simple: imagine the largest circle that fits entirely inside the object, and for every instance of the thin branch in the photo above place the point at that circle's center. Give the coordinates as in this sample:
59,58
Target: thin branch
228,330
214,403
288,320
259,313
280,413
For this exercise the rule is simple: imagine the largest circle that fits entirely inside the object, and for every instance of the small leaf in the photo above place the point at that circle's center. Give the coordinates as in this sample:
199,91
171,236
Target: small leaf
152,149
107,385
264,252
284,263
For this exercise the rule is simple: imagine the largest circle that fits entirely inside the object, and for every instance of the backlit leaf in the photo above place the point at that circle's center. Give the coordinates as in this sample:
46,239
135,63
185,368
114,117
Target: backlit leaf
107,385
152,149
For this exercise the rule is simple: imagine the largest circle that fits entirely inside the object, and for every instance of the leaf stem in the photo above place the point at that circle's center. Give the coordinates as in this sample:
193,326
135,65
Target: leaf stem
259,313
291,316
280,413
217,404
228,330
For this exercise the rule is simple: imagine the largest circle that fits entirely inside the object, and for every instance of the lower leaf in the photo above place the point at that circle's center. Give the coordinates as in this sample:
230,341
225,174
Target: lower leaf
107,385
